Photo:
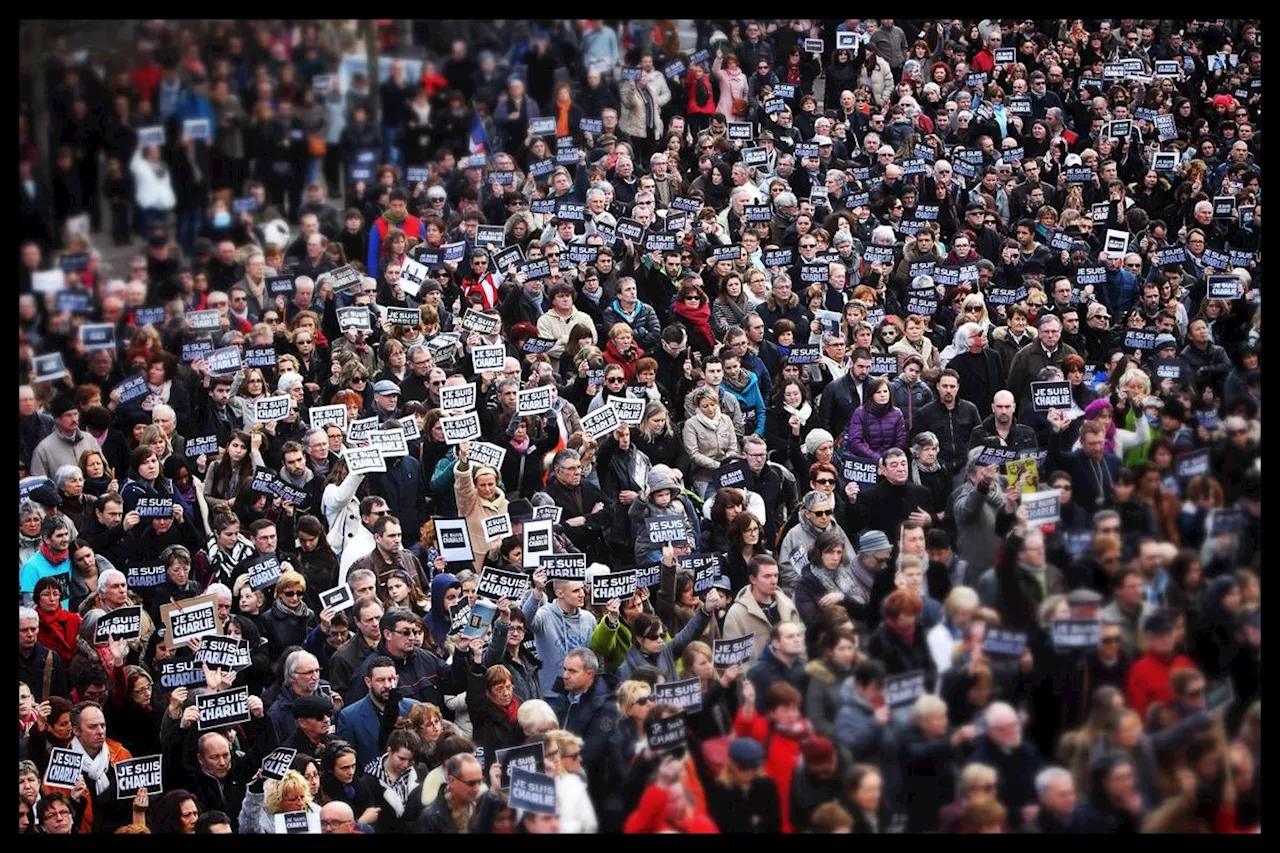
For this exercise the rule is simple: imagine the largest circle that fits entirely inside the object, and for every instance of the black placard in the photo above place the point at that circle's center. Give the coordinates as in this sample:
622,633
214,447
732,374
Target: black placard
1051,395
223,709
565,567
705,567
1076,633
264,571
604,588
64,768
666,528
1001,642
901,691
685,694
856,469
175,673
531,792
1193,464
123,623
496,584
134,774
230,653
666,734
154,507
737,651
275,765
527,757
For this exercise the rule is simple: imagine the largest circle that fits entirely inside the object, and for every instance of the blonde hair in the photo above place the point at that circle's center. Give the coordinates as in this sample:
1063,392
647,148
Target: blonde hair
289,580
292,783
629,692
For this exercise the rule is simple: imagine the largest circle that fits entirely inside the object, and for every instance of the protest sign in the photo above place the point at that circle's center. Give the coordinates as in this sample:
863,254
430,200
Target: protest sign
158,507
460,429
666,734
264,571
454,539
223,709
496,584
496,527
175,673
1001,642
537,541
649,575
737,651
534,401
223,361
48,368
189,619
527,757
606,587
337,599
365,460
278,762
630,411
297,823
901,691
145,575
705,567
856,469
484,453
223,653
389,442
269,409
491,357
1042,507
685,694
1051,395
601,422
563,567
1076,633
64,768
123,623
662,529
531,792
134,774
547,513
323,416
1193,464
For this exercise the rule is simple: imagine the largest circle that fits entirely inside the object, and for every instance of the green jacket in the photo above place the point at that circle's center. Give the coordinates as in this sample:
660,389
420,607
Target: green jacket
611,644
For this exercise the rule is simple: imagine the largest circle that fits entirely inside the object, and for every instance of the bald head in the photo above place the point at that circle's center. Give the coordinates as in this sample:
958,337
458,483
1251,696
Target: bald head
1002,406
337,818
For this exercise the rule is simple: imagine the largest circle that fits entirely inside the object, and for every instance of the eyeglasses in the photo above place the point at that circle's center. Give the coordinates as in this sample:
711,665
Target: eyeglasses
643,700
291,593
409,632
693,299
332,823
820,513
1110,641
471,783
359,378
826,481
569,756
613,379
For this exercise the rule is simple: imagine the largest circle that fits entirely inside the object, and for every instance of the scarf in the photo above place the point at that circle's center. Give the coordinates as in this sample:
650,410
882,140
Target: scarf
520,447
737,307
801,730
393,219
699,318
629,316
512,708
920,468
841,580
301,611
741,384
395,793
712,424
801,414
562,119
95,769
54,557
596,296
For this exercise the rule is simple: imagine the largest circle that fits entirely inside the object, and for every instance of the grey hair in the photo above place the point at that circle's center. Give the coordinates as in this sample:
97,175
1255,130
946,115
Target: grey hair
67,472
416,348
110,575
836,174
565,456
784,199
306,438
882,235
157,411
813,498
292,662
1048,776
974,454
753,439
1049,374
1048,318
595,192
744,193
922,282
360,575
927,704
217,589
29,507
28,614
893,453
590,661
506,383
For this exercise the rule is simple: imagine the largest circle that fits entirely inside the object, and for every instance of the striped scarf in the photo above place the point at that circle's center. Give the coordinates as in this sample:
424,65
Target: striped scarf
395,793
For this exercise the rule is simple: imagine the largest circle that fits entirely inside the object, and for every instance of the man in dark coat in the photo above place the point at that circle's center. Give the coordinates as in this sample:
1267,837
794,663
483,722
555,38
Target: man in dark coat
1016,761
951,419
587,705
841,397
423,676
1001,430
891,501
979,368
586,510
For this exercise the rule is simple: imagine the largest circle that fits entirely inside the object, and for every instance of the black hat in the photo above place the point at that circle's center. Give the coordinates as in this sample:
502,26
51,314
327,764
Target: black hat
46,494
60,405
312,707
520,510
1158,624
1173,408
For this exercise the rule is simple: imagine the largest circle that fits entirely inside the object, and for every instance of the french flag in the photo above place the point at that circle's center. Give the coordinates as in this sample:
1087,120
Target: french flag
479,143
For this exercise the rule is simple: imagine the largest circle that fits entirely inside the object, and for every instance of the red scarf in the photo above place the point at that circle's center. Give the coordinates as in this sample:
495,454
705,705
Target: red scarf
699,318
511,709
54,557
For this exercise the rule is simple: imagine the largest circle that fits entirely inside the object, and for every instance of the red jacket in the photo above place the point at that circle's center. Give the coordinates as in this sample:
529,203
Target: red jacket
650,816
782,755
692,85
1149,681
58,632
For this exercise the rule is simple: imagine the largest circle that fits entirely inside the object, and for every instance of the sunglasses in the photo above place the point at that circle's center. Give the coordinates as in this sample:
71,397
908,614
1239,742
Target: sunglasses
644,700
826,481
820,513
291,593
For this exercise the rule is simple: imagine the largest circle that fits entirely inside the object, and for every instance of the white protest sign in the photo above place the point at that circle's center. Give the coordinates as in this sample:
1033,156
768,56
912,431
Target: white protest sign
534,401
390,442
496,527
460,429
458,398
537,541
601,422
491,357
454,540
365,460
323,416
268,409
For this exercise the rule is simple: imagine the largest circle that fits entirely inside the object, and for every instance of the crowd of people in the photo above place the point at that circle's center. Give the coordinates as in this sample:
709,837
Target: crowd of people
837,426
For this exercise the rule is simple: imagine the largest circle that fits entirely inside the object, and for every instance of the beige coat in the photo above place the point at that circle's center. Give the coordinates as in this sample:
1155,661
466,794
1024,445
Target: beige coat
707,448
746,617
552,325
631,117
475,509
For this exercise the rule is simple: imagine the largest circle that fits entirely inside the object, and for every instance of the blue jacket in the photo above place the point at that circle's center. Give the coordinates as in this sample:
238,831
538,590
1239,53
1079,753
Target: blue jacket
39,567
866,738
751,402
358,725
1121,291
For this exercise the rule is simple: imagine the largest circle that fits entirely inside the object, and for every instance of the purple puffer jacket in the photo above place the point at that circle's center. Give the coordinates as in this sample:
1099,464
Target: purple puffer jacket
871,433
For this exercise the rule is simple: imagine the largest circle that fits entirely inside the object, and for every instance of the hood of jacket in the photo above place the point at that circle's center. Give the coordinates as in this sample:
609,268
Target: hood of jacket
439,615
